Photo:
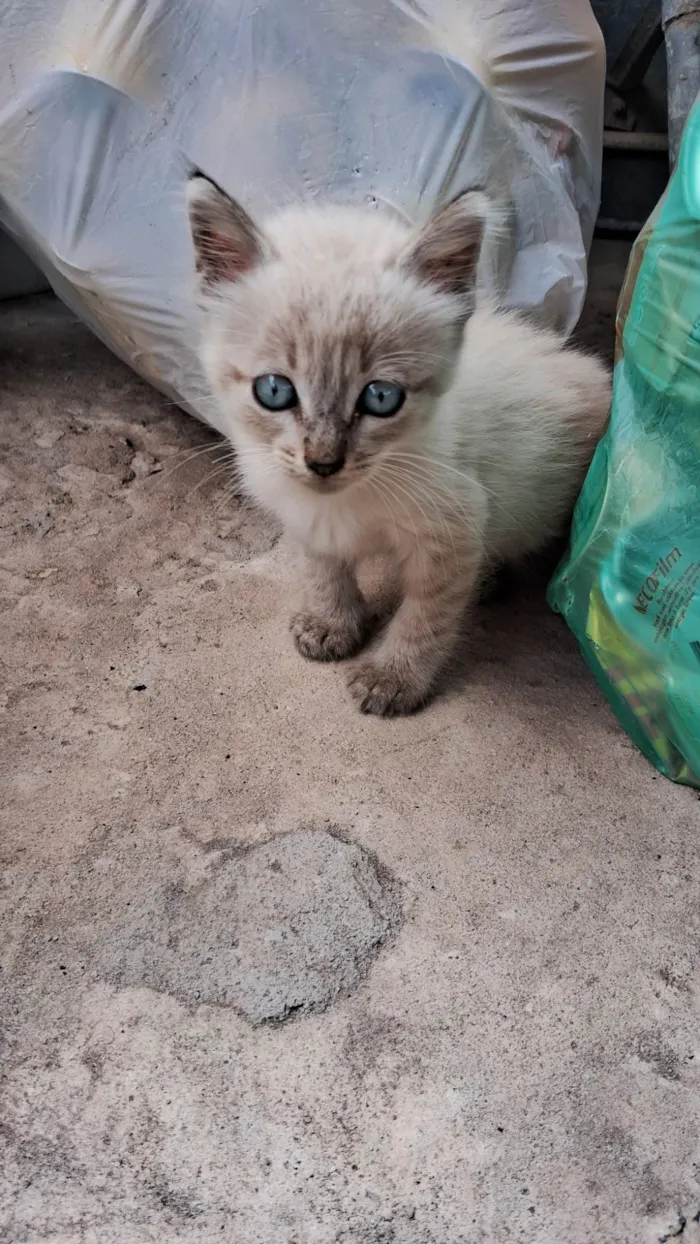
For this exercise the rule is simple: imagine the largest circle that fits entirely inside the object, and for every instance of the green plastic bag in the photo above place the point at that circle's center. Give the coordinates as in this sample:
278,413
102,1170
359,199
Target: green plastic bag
629,586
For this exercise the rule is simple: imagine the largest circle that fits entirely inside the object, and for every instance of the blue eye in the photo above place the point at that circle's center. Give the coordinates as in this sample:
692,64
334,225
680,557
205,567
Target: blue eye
274,392
381,398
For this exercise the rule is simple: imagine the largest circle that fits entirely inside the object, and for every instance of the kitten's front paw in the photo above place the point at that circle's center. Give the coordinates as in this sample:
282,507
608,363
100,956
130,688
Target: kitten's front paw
322,640
384,691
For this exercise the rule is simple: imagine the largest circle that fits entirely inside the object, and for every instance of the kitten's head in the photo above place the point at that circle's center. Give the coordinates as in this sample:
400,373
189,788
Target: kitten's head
330,334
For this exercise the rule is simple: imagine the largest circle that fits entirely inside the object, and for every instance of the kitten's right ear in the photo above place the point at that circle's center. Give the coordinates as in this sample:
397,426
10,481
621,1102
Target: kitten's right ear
227,243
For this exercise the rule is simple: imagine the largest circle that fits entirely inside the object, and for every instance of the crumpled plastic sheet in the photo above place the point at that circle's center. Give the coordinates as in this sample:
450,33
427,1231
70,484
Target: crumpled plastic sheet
106,107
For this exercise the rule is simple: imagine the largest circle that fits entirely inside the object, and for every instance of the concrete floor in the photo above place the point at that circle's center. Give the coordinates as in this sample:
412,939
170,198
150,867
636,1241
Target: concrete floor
273,972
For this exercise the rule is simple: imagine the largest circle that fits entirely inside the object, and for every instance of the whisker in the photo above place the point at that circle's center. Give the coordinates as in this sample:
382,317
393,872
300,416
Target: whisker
238,486
464,517
409,488
230,494
432,479
473,480
220,470
400,503
428,475
443,495
440,524
195,453
444,460
375,488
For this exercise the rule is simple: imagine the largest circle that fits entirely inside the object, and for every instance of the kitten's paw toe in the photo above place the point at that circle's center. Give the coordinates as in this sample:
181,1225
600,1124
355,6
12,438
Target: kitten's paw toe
322,640
384,691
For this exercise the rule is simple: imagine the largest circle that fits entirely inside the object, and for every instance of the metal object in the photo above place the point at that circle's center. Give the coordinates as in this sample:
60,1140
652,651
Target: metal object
681,27
637,141
630,66
635,154
617,114
609,227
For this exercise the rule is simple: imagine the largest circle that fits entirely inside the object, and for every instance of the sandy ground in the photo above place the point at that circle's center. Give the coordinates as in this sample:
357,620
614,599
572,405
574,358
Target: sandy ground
275,973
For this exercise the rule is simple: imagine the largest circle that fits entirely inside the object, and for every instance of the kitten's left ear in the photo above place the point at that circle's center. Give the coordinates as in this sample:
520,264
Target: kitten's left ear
446,251
227,242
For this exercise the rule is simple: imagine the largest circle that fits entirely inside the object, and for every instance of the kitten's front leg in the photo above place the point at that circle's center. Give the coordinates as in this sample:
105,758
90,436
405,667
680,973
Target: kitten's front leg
333,621
400,674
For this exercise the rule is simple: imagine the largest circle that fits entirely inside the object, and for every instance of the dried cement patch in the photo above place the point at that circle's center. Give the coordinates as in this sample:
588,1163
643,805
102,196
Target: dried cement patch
279,928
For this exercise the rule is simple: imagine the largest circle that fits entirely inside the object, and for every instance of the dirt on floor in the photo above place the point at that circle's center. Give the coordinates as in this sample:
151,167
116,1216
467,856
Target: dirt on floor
276,973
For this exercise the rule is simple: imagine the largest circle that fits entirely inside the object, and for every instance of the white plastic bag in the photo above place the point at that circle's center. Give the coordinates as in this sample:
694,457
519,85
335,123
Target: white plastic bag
105,108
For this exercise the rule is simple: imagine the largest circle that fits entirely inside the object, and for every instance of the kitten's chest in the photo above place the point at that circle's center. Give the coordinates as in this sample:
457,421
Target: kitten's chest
344,527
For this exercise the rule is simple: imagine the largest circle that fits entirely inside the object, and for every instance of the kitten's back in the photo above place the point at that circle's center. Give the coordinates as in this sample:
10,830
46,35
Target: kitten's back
530,412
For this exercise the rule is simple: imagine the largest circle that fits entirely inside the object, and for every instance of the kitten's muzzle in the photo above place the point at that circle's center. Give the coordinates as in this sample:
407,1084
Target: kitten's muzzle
326,467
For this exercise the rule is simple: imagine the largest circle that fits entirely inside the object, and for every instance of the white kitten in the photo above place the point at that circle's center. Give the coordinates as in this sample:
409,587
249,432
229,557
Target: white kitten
373,408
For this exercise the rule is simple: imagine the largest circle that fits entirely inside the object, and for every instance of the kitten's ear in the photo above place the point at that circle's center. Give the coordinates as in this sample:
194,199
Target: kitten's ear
227,243
446,251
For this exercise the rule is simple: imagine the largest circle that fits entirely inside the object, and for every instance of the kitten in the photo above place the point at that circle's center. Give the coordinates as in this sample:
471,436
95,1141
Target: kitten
374,408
